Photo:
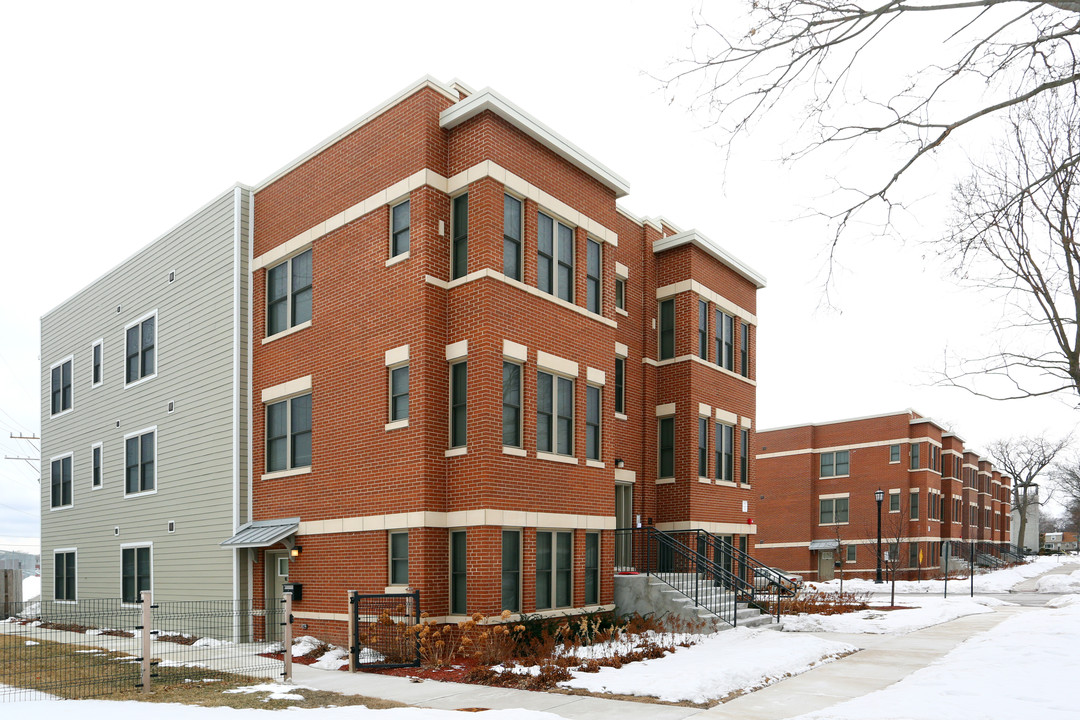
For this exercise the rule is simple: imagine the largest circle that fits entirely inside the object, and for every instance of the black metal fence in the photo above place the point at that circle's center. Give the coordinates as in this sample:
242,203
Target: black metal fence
98,647
385,630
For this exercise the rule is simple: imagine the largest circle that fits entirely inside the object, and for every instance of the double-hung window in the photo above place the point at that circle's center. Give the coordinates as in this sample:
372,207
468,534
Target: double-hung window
554,414
725,347
725,446
137,569
399,229
703,329
459,404
95,466
744,349
593,288
744,460
512,217
835,464
833,511
459,240
61,387
915,456
288,434
140,462
620,385
399,393
894,501
592,568
511,404
894,453
703,447
64,576
666,454
620,293
140,349
914,514
458,573
593,403
555,257
288,294
667,329
399,558
61,482
554,555
96,362
511,570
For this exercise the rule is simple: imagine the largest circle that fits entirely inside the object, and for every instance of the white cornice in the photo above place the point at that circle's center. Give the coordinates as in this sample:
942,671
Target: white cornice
908,412
488,99
693,237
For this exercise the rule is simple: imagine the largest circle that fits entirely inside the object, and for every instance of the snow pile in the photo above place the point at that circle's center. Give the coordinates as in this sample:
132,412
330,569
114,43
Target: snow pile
995,581
110,710
31,588
31,642
277,691
929,611
723,663
1036,651
210,643
304,645
332,659
1063,601
1059,583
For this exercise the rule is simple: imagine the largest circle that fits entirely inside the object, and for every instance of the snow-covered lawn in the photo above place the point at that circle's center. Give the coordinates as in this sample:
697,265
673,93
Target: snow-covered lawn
1060,583
1026,667
734,660
918,614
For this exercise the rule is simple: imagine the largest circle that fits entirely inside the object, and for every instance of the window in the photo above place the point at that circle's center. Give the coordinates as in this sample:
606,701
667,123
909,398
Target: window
288,434
593,263
61,387
725,350
914,456
399,558
744,463
554,414
835,464
703,329
894,453
511,570
667,447
620,293
399,229
703,447
555,258
458,573
956,510
851,553
553,570
725,445
592,422
459,407
667,329
932,509
399,393
64,576
140,455
137,573
935,458
511,405
894,501
95,466
914,505
833,511
140,350
512,237
459,243
95,374
288,294
620,385
61,482
592,568
744,349
913,554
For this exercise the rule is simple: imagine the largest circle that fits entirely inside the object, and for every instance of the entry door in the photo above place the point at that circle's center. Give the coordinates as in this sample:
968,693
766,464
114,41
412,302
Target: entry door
624,519
825,565
277,574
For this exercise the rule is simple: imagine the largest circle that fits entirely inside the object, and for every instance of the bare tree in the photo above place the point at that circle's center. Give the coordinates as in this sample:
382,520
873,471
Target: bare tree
1066,475
893,535
1025,459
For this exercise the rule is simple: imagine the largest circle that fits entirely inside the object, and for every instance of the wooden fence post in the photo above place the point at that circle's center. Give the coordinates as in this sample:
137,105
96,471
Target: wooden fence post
354,650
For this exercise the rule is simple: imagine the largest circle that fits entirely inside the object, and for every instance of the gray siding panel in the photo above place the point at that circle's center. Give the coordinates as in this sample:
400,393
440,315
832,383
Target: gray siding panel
196,370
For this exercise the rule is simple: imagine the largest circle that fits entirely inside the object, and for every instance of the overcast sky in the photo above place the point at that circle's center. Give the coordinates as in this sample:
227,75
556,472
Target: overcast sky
119,120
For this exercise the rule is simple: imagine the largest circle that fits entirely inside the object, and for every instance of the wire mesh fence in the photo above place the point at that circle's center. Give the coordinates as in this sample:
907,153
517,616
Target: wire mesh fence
97,647
385,630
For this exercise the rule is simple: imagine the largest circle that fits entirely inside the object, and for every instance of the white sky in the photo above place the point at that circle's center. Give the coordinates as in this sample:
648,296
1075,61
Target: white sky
119,120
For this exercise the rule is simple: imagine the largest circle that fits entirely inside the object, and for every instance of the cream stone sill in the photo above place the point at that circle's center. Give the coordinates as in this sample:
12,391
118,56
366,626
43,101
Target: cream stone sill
705,480
285,473
398,258
294,329
727,483
557,458
594,464
621,416
397,424
515,451
622,312
454,452
665,481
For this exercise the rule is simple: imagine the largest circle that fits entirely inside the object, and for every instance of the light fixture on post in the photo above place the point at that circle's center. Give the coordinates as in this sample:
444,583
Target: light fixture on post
879,496
295,551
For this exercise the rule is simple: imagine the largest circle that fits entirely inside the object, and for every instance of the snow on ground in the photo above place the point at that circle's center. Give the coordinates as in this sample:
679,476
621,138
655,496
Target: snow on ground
995,581
31,588
918,614
1026,667
1059,583
109,710
10,694
278,691
722,663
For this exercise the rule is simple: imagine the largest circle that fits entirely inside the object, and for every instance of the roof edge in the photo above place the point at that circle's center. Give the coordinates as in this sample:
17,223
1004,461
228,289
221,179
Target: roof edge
693,237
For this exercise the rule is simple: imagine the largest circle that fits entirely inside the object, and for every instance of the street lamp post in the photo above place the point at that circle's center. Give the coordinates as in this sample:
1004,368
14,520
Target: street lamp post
879,496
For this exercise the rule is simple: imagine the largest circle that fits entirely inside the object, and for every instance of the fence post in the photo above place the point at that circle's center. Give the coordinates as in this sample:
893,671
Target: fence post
354,644
147,624
287,637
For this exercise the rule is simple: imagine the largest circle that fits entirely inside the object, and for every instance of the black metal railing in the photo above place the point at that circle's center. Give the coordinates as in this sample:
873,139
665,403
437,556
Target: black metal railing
744,564
385,630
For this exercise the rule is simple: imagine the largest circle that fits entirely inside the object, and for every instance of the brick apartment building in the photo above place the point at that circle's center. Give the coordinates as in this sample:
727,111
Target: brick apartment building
467,368
817,483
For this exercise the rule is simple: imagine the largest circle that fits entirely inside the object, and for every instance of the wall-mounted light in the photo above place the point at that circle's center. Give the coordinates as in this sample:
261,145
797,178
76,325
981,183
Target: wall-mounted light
295,552
618,462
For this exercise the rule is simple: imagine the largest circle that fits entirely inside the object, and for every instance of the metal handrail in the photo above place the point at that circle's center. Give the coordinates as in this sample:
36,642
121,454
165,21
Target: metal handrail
769,575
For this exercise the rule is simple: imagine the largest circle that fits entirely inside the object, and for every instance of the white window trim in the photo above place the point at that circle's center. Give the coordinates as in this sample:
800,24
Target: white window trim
101,446
833,453
157,466
554,454
391,423
598,461
100,342
521,231
573,572
665,479
390,557
71,359
288,331
61,456
392,258
556,221
899,504
157,349
288,295
520,363
297,470
66,550
834,497
455,450
123,547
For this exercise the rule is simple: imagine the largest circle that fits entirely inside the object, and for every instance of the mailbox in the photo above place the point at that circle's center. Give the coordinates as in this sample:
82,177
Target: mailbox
297,590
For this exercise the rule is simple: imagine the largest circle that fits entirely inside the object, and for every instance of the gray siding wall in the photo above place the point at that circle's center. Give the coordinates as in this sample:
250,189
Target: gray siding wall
199,368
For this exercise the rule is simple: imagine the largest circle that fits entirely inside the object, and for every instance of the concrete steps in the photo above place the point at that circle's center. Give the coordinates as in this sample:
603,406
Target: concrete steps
655,595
